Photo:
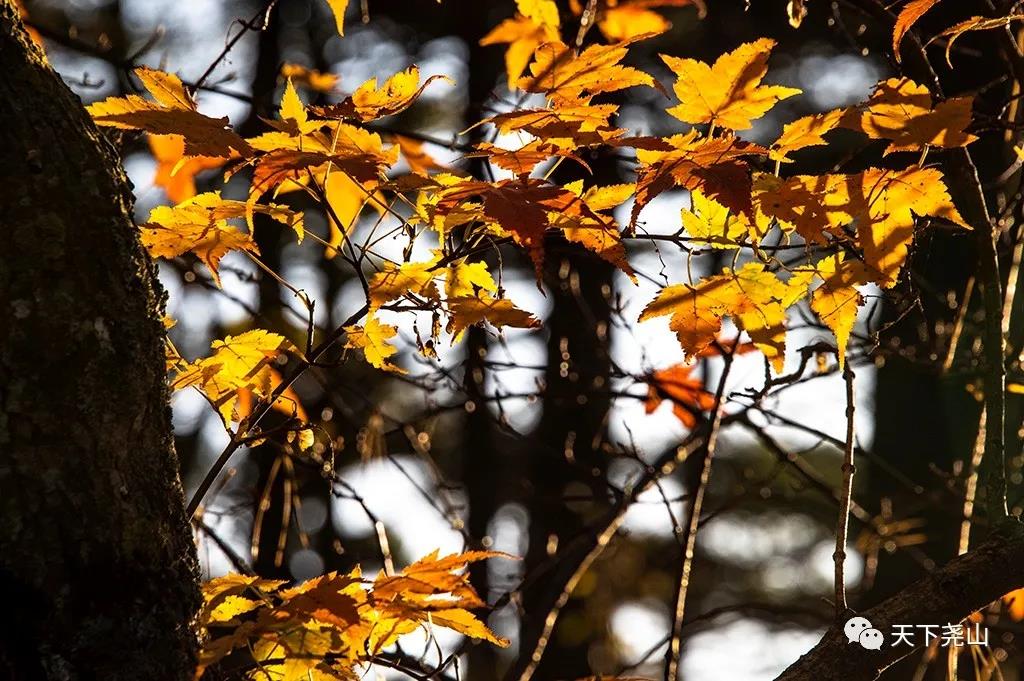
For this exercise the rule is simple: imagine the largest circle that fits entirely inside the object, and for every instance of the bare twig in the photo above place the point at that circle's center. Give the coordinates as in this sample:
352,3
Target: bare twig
692,525
842,528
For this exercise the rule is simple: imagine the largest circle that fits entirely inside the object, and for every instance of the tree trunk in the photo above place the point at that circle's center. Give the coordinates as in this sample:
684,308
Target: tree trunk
97,566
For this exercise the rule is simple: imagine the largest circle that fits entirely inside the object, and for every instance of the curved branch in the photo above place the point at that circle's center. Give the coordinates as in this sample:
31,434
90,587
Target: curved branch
947,595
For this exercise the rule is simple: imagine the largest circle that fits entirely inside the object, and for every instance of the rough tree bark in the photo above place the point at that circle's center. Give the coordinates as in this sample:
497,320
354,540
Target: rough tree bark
97,566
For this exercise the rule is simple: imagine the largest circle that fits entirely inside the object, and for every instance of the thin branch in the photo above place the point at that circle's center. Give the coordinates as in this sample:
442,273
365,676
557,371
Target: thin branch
848,470
693,521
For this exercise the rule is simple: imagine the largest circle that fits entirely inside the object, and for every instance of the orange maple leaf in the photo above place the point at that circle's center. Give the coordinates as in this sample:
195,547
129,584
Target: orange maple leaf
175,172
687,394
521,207
908,16
709,164
626,19
311,78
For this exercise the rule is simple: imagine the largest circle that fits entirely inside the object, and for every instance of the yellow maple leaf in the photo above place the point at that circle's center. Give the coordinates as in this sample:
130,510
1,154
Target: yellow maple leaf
325,627
467,624
728,93
221,589
709,223
754,298
466,278
173,113
629,21
201,225
290,158
558,131
297,654
293,113
466,311
439,215
369,101
836,301
812,205
572,79
901,110
431,577
894,197
395,281
372,338
396,94
626,19
807,131
238,363
881,204
536,23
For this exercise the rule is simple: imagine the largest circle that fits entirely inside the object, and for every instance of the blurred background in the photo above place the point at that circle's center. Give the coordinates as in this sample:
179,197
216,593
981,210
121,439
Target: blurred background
493,444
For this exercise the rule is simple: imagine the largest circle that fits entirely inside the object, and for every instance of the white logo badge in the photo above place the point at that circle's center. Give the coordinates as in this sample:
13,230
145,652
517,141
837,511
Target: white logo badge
859,630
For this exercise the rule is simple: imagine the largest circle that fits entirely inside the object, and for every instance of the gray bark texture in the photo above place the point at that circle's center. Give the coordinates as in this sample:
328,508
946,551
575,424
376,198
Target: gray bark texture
98,574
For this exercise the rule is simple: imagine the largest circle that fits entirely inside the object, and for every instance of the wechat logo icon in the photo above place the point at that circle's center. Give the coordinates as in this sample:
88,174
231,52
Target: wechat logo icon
859,630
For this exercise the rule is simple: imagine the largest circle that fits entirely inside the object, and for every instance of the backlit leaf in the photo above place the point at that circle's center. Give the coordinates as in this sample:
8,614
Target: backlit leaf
804,132
728,93
373,339
713,166
201,225
754,298
466,311
534,25
370,101
173,113
310,78
570,78
908,16
337,8
837,300
239,362
901,110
